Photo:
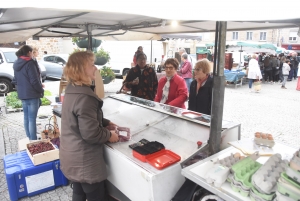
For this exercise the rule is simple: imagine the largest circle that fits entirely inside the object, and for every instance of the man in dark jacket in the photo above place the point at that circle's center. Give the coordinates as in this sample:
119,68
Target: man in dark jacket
29,88
294,67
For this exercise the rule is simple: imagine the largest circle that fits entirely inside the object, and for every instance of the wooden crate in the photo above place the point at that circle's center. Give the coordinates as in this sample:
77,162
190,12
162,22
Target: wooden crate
43,157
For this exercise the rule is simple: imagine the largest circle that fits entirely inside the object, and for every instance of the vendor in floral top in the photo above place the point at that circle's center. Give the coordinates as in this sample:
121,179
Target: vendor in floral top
141,79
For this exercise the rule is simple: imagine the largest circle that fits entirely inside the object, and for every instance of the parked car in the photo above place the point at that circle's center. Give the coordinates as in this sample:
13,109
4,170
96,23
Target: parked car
54,64
7,59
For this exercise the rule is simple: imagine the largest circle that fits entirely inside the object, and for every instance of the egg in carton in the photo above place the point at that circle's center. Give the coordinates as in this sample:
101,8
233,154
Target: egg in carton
264,139
288,187
265,178
295,161
243,170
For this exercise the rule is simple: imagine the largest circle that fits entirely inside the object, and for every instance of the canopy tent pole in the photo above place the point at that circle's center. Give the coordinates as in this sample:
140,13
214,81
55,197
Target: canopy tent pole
151,53
218,88
241,55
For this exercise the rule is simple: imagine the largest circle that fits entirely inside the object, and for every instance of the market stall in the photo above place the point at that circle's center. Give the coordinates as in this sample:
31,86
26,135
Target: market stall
177,129
234,76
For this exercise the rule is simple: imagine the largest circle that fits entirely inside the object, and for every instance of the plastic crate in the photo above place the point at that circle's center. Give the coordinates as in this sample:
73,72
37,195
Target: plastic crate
25,179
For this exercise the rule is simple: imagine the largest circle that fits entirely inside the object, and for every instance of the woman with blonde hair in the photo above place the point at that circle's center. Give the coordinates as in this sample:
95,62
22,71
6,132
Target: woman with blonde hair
201,88
254,72
83,131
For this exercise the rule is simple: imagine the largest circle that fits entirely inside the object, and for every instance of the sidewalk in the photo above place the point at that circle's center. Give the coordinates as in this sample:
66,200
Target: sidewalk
273,110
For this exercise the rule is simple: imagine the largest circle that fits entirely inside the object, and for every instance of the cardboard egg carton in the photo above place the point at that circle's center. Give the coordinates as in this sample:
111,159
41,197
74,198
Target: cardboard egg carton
295,161
293,174
265,178
217,175
280,197
264,139
257,196
243,171
228,162
288,187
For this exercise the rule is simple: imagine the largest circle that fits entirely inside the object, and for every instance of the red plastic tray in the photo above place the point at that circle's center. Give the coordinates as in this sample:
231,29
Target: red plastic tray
162,159
191,115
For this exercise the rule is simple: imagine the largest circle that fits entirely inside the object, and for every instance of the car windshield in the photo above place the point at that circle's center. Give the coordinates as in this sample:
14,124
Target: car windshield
10,57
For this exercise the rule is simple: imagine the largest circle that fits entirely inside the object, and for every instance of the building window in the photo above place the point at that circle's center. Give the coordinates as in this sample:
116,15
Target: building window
249,35
235,35
293,36
263,36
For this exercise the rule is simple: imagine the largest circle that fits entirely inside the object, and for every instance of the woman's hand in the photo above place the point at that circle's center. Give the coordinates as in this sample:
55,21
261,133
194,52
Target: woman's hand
112,124
114,137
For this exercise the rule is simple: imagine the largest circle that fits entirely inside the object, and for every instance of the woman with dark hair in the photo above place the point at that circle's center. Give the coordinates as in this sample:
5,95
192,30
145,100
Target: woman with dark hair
172,89
29,88
83,130
139,51
141,79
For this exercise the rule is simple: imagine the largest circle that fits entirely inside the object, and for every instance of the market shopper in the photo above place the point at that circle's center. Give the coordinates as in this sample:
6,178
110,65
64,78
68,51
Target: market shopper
254,72
186,71
298,83
141,80
268,70
139,51
172,89
285,72
201,88
29,88
83,132
294,67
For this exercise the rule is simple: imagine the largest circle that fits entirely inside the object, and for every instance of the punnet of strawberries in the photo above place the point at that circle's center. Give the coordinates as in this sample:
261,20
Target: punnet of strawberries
40,147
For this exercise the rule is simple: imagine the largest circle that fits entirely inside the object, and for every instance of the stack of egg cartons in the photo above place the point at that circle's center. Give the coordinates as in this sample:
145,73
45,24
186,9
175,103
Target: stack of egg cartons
265,178
288,185
243,171
221,169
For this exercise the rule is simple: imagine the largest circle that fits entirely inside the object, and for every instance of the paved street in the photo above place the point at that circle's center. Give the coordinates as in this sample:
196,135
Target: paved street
273,110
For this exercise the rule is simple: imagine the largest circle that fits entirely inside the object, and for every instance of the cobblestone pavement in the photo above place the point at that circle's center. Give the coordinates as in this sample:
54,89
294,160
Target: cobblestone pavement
273,110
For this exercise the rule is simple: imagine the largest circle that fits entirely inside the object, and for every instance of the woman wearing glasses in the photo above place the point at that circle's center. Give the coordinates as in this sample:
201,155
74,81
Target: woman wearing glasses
141,79
172,89
201,88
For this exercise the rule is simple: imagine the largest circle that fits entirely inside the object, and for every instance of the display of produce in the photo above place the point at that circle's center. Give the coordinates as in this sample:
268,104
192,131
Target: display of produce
264,139
40,147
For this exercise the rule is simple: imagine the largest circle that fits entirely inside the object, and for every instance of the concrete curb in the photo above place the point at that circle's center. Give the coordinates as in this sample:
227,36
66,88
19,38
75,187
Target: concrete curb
2,149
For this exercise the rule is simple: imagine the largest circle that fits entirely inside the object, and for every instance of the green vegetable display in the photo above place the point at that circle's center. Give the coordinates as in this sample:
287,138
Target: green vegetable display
13,100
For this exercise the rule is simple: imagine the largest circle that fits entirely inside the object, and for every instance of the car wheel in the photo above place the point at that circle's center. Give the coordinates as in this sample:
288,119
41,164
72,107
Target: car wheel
5,86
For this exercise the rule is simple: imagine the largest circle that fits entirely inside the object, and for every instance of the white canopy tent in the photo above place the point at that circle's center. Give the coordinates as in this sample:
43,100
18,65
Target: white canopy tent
125,20
115,18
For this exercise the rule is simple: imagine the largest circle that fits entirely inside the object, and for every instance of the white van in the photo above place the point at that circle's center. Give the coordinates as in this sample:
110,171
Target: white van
122,52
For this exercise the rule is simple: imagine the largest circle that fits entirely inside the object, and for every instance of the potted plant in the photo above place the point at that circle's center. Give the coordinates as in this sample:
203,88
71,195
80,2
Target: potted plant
102,57
83,42
107,74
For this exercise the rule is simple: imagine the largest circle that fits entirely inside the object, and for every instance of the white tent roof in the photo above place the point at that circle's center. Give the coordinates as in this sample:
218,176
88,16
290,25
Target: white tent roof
127,18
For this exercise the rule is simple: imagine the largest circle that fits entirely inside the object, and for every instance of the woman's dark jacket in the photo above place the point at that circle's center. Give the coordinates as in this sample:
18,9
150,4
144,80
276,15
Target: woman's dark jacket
27,79
202,101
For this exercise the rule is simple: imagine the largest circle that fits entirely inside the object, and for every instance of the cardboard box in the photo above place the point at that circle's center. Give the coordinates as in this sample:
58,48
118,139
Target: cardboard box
43,157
